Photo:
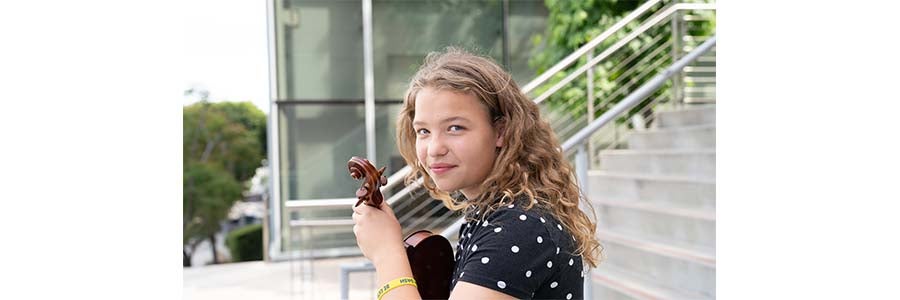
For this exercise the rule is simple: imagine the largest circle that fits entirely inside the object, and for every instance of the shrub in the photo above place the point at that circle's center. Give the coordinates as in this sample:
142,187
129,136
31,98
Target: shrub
245,243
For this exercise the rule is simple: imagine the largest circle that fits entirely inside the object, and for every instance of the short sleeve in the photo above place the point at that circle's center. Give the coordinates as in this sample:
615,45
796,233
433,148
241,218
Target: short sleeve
512,253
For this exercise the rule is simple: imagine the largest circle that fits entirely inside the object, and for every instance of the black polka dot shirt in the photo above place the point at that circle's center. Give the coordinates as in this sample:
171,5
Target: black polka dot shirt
524,254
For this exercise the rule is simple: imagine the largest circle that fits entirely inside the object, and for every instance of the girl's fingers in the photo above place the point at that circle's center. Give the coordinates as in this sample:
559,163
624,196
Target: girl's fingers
360,209
387,208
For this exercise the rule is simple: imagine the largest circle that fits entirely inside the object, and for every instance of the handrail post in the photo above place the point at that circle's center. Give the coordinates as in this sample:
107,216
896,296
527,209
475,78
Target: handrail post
581,167
590,103
581,172
677,90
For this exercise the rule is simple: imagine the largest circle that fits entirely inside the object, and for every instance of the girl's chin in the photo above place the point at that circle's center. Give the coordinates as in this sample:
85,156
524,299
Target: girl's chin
446,187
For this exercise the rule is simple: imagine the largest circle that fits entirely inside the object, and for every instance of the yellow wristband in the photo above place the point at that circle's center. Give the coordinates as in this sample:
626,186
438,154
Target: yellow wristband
395,284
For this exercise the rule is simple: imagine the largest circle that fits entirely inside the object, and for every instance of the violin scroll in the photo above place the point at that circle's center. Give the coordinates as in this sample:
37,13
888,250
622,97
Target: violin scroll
370,190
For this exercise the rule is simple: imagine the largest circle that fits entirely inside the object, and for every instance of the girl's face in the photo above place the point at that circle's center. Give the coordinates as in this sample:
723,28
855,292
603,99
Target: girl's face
455,139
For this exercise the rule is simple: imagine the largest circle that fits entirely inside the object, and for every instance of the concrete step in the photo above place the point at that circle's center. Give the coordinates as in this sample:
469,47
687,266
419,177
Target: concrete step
697,164
682,268
674,225
701,115
688,137
669,191
700,80
611,283
702,214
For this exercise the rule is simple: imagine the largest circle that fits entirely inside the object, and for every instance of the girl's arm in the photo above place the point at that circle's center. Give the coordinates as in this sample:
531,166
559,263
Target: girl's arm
465,290
379,237
392,267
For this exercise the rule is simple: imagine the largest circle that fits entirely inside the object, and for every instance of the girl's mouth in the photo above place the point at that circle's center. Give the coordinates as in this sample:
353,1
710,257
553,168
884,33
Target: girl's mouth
441,169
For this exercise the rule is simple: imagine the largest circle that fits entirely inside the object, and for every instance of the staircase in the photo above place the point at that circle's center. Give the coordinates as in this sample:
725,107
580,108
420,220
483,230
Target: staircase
655,204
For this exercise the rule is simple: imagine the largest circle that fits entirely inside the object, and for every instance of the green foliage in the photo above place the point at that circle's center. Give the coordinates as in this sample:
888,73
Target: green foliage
208,193
223,144
573,23
245,243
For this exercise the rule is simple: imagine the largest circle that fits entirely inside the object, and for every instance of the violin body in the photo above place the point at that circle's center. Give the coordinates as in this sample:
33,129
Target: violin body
431,259
430,255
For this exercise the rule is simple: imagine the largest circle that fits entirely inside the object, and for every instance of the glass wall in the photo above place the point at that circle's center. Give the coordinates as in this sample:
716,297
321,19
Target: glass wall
405,31
526,18
320,50
319,139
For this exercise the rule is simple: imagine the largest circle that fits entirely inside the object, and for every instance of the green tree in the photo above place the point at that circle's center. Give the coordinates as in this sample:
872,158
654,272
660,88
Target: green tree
223,144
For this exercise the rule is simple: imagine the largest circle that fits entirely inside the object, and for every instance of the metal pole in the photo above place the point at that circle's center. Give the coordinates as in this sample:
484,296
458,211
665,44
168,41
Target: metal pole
590,104
345,283
505,35
369,80
273,140
676,51
581,172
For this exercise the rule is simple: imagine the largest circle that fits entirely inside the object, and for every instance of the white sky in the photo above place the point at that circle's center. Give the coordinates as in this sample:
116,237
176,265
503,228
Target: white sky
225,50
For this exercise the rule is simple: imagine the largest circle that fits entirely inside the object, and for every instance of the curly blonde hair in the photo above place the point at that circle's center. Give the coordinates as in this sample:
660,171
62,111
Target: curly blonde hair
538,170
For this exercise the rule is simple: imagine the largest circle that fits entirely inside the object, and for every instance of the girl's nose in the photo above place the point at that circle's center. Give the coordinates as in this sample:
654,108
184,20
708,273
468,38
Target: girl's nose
437,146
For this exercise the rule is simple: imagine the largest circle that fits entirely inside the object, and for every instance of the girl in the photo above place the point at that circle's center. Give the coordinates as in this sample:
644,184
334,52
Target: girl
465,126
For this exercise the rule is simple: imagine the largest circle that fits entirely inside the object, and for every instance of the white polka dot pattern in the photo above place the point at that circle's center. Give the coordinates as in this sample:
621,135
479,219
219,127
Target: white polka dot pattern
497,265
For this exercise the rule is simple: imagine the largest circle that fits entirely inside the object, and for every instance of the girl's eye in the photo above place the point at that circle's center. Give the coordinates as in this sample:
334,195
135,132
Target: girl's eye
422,131
455,128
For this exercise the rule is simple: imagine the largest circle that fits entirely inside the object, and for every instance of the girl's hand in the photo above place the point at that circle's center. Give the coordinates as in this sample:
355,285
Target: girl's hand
378,232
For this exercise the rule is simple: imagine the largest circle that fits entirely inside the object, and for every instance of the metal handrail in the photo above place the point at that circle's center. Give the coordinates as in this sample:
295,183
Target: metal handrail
615,47
623,87
558,67
638,95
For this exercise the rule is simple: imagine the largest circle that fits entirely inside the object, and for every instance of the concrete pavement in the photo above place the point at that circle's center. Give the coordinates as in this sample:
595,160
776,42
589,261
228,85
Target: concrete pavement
273,281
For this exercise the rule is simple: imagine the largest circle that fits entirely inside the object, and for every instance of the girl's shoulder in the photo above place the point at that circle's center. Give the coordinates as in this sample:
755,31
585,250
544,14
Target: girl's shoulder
517,221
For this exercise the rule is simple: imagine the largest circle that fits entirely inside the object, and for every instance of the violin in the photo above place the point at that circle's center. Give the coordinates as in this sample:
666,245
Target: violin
430,255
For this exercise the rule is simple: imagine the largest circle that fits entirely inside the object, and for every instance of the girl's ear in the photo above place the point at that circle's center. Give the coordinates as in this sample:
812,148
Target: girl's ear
501,130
